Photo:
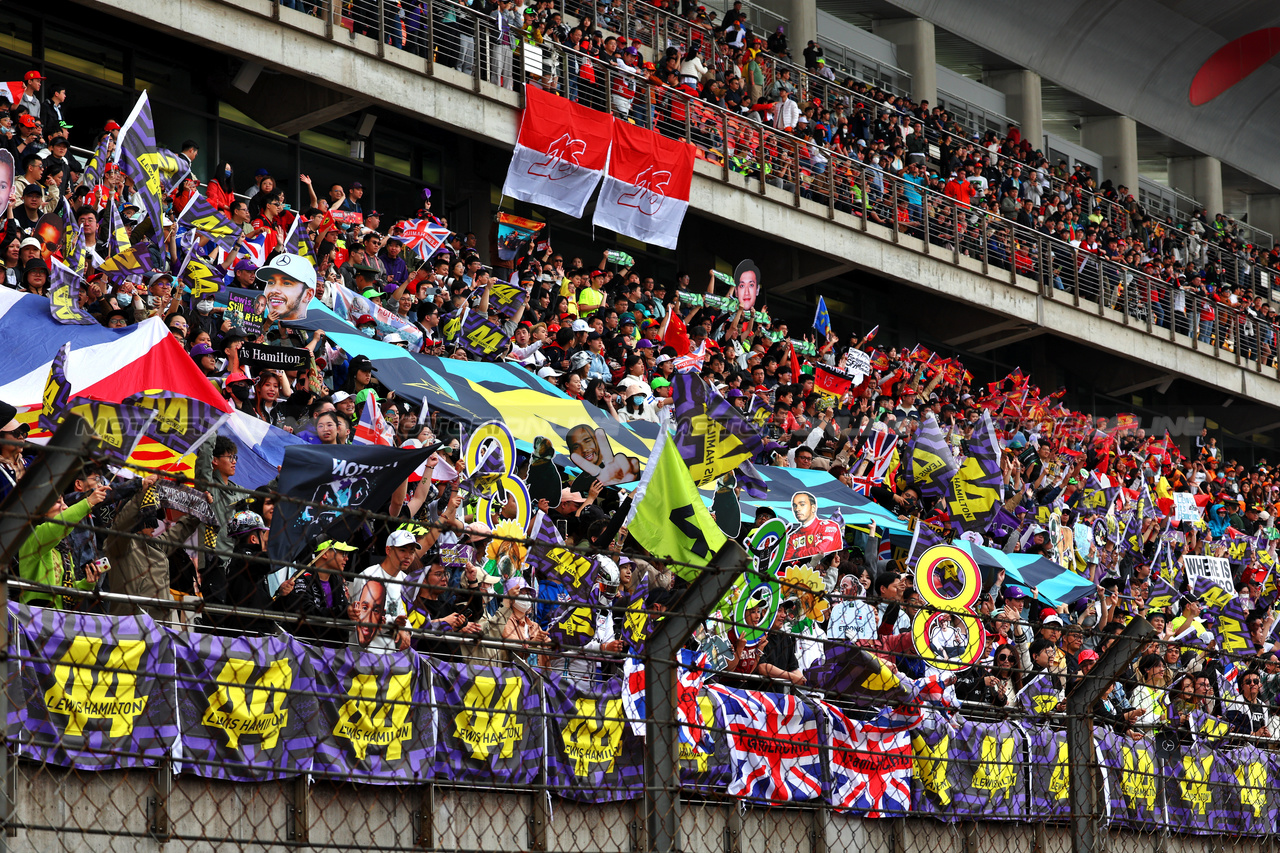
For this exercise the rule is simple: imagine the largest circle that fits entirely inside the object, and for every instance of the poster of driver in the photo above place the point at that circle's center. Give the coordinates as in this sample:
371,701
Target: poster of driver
746,284
590,450
811,535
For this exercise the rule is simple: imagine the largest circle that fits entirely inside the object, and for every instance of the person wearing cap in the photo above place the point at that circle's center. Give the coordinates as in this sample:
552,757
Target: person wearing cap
27,214
32,81
378,592
290,282
319,591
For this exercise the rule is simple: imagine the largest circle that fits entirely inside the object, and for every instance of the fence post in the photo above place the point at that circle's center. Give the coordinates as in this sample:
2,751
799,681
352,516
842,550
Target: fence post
893,224
862,180
761,159
382,28
924,214
475,53
49,477
1075,276
955,233
1085,804
431,39
795,166
662,758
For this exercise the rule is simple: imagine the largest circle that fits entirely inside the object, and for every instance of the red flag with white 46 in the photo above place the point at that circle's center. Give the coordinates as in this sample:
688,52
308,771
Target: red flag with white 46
646,192
560,153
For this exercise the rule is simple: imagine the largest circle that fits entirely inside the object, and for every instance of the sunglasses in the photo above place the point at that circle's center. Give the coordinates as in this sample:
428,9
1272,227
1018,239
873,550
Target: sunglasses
1004,658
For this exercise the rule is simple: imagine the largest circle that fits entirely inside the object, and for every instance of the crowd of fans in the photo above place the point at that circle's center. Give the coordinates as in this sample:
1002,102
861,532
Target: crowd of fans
608,335
901,162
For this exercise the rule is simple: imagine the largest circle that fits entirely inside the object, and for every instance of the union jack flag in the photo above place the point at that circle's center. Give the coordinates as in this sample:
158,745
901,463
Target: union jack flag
871,761
372,428
255,249
424,236
774,745
878,453
692,671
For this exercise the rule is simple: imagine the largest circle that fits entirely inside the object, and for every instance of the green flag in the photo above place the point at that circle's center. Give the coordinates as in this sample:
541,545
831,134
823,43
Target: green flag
668,516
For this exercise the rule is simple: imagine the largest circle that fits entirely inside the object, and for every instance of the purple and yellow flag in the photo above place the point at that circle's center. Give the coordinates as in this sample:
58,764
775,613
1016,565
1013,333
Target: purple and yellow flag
154,170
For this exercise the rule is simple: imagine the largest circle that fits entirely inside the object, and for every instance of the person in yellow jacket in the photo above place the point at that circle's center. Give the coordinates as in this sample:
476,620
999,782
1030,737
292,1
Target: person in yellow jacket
39,559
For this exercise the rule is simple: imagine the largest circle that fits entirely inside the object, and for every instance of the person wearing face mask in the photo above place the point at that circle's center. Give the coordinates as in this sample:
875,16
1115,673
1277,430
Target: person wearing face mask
207,317
515,620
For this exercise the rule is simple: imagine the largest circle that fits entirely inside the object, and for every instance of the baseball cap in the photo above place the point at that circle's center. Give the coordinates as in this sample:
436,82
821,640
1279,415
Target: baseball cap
201,349
662,359
581,326
1014,592
579,360
659,383
111,125
335,545
402,539
356,185
1086,656
295,267
32,75
33,189
1052,620
30,242
156,277
361,362
245,264
341,396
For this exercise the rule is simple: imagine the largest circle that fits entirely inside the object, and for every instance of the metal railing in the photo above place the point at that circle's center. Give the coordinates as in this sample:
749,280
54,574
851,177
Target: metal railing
773,162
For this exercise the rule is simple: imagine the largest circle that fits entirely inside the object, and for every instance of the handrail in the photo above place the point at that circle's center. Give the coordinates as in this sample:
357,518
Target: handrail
761,157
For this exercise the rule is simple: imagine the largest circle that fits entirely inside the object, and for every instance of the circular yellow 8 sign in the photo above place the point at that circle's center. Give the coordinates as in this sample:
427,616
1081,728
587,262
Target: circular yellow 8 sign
499,487
940,570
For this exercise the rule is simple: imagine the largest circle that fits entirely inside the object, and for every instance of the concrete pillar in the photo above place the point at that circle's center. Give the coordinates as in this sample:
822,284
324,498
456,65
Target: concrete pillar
1021,89
803,26
1116,139
1200,178
913,37
1264,212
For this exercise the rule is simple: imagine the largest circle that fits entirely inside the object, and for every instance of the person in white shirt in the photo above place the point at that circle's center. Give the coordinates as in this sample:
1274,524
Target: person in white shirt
377,598
786,114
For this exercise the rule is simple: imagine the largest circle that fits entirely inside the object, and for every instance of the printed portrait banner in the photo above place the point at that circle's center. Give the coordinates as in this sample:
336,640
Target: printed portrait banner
592,755
98,690
490,726
1199,789
247,310
377,723
347,477
1048,773
969,771
1252,806
1132,780
350,305
247,706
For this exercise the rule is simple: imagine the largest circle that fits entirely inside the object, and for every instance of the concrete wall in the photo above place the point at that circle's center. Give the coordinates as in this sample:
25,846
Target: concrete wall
296,45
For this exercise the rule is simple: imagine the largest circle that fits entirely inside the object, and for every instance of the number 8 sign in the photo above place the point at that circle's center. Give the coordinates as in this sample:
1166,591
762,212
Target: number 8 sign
938,572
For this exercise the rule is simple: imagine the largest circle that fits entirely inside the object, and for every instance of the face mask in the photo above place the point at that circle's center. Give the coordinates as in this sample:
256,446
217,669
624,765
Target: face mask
124,300
204,306
368,331
521,605
240,392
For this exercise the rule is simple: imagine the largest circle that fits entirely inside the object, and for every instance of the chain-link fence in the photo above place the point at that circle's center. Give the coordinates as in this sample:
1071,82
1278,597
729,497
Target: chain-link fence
425,680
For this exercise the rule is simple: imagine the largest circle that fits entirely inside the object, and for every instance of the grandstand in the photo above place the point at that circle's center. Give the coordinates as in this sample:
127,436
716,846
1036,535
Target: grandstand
884,464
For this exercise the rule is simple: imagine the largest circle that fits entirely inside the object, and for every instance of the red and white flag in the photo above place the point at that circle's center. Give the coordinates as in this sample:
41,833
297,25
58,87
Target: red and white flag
646,193
13,91
560,153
